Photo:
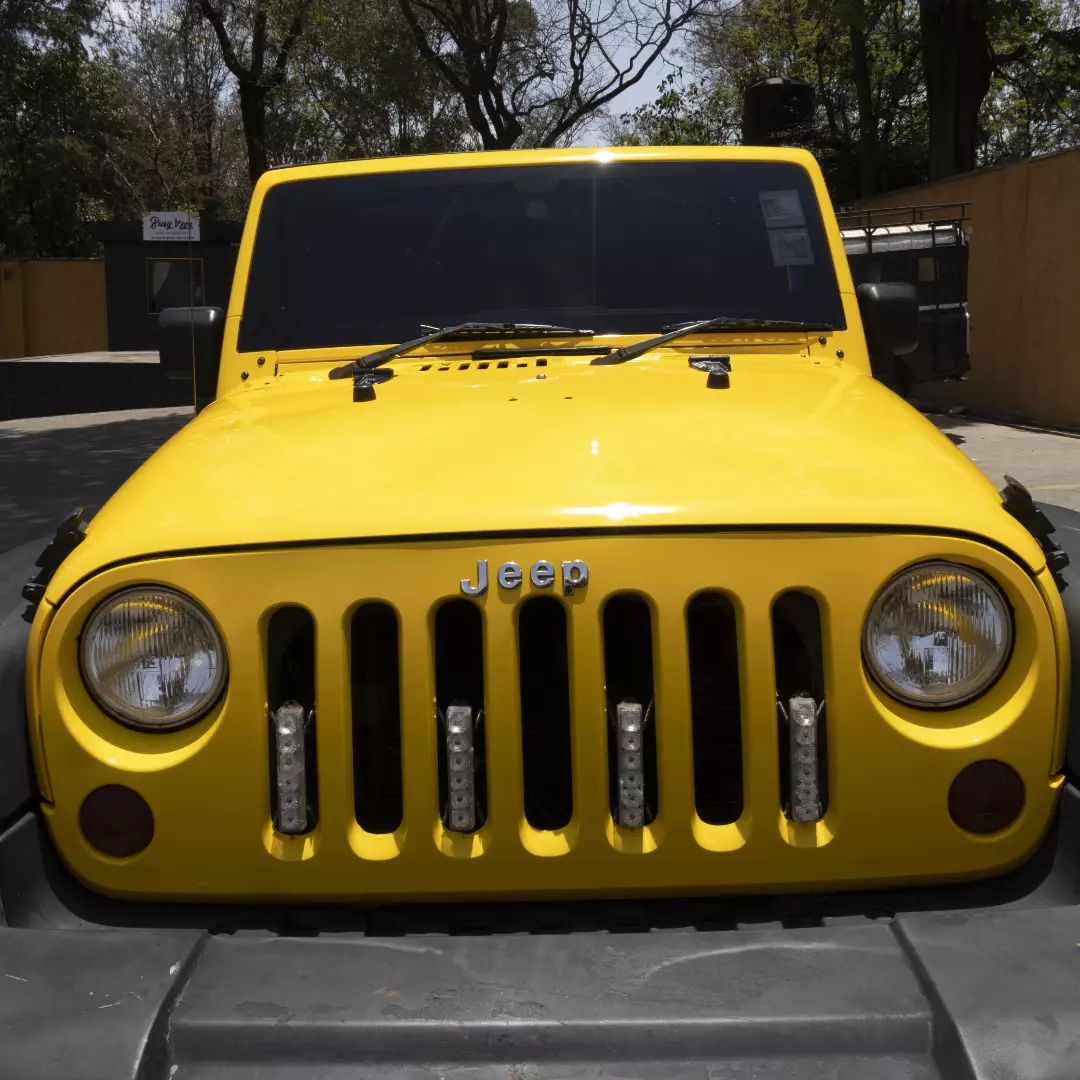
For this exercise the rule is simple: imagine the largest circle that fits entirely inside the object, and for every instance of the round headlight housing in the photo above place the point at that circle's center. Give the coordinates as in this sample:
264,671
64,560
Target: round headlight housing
152,658
938,635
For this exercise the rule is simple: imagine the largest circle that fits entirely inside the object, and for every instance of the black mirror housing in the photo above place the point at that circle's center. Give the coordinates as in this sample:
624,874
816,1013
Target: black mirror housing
190,348
890,316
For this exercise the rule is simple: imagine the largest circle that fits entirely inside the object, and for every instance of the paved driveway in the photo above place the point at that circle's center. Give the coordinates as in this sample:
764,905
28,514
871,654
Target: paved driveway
1046,462
49,465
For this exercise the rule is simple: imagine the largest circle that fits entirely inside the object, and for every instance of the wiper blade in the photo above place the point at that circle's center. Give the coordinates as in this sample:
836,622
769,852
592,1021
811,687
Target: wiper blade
554,350
720,322
748,322
443,333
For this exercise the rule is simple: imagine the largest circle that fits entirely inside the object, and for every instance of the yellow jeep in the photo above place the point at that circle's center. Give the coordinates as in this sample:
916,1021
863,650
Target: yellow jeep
617,576
543,535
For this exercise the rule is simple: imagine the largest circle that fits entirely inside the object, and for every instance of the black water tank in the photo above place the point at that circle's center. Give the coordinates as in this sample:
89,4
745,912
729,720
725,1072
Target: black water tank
773,106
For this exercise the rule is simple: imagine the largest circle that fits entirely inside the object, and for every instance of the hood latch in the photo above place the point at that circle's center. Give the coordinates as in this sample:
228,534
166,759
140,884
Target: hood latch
364,383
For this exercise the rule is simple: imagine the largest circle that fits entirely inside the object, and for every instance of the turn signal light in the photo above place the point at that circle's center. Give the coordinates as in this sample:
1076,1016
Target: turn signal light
116,820
986,797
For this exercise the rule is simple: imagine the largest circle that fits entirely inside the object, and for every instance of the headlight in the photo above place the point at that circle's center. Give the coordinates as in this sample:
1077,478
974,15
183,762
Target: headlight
938,635
152,658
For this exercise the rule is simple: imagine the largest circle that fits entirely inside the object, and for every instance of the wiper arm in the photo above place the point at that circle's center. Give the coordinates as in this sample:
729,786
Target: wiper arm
443,333
720,322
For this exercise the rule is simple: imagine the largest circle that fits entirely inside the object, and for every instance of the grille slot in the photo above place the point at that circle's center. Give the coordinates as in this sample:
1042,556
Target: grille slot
290,676
545,713
628,677
800,670
713,654
459,680
376,717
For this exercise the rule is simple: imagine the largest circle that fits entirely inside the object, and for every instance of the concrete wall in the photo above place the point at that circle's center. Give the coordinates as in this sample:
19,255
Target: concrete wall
1023,288
50,306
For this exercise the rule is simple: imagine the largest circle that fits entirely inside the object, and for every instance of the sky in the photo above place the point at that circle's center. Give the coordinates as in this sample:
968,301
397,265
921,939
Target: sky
639,94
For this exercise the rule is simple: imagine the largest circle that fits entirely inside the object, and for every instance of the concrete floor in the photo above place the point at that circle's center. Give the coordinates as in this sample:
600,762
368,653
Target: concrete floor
142,356
49,465
1047,463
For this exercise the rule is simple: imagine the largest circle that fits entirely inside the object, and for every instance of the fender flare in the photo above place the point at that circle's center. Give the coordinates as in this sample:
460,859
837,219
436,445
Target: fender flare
18,785
1067,537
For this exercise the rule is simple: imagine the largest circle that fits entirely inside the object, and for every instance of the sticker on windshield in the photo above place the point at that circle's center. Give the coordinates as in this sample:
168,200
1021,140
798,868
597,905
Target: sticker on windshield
781,209
791,247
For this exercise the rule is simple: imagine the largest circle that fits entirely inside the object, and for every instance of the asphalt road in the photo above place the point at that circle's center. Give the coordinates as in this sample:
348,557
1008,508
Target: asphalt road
1048,463
50,465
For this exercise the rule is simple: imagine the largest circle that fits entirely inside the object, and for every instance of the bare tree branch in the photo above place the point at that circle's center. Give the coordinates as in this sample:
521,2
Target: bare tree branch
538,71
216,19
288,44
252,83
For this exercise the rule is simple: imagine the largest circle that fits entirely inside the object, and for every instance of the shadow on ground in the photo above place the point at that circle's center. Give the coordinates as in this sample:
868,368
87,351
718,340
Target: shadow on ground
44,474
950,425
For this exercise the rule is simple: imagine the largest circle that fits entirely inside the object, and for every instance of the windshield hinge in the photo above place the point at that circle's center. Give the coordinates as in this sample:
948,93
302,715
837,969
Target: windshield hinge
1018,502
364,383
718,368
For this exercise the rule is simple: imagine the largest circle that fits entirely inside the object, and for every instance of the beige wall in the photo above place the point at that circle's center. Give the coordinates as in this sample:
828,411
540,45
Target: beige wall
50,306
1023,288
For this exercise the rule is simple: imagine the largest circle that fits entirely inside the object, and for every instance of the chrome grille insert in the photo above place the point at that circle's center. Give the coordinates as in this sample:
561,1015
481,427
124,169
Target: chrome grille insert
459,703
628,674
800,697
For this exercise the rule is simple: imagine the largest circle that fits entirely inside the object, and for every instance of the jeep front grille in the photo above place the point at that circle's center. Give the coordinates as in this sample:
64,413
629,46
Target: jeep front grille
718,639
544,720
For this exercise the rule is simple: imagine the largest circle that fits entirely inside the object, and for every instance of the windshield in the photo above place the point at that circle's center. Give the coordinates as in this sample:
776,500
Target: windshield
620,247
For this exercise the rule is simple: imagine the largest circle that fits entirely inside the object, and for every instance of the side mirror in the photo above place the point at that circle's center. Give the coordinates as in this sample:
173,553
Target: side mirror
890,315
190,348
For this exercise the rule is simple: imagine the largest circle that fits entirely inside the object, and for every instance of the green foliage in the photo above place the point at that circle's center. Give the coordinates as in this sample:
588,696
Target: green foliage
684,113
1033,105
810,40
361,89
181,145
1034,101
58,108
108,110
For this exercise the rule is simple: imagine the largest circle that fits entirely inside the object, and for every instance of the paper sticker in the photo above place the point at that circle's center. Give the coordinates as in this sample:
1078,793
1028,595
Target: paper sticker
791,247
781,209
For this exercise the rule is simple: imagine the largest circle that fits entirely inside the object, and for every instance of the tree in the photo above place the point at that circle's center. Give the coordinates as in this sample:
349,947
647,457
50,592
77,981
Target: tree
1033,106
535,73
182,145
366,90
854,13
958,64
59,108
684,111
257,40
860,56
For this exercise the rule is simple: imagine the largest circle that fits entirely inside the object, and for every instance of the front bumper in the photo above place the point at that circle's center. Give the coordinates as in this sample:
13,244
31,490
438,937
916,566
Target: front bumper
977,993
964,981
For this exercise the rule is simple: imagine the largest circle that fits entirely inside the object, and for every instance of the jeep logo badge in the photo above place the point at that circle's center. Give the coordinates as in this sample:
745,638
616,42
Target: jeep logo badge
574,575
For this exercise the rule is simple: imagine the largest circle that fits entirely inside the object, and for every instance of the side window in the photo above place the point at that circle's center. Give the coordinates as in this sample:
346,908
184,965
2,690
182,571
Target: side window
173,283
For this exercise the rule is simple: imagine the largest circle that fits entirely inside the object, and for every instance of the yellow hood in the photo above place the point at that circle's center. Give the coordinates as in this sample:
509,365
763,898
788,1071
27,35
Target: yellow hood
448,448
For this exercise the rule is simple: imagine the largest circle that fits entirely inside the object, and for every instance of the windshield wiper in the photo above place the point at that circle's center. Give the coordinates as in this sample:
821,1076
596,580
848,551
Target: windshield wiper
721,322
375,359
